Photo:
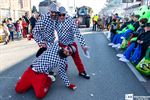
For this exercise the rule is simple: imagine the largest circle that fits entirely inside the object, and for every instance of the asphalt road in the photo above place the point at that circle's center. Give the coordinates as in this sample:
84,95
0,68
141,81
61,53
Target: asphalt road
110,78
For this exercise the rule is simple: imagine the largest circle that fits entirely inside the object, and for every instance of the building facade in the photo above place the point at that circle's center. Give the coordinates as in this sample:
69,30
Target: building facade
14,8
131,8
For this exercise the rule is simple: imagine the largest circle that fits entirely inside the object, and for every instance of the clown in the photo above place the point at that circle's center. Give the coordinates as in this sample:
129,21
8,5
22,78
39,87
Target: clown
37,75
67,31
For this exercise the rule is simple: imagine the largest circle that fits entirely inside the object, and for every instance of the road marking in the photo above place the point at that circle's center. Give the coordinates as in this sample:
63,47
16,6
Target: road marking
90,32
136,73
7,77
132,68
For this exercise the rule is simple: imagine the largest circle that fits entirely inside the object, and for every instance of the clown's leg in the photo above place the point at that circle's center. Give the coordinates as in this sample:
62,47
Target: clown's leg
24,83
41,83
79,63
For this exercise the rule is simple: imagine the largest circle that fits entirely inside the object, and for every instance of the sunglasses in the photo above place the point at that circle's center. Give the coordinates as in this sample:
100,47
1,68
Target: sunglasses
61,14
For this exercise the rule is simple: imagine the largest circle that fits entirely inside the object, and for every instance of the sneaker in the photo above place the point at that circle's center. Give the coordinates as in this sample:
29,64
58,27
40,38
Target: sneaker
52,78
120,55
122,37
110,44
115,46
119,47
83,74
124,59
52,73
5,43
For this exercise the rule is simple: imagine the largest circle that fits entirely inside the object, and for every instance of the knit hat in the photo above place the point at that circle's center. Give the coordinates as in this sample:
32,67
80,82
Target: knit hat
62,10
53,7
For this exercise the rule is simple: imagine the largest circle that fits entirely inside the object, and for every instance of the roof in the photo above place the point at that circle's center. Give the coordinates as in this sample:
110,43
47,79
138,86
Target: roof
45,3
133,6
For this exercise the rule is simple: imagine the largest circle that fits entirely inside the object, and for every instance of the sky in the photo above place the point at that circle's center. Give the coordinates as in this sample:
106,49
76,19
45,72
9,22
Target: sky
97,5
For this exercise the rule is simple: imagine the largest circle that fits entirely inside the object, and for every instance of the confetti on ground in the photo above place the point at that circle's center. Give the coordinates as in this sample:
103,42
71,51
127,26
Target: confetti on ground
93,74
9,96
91,95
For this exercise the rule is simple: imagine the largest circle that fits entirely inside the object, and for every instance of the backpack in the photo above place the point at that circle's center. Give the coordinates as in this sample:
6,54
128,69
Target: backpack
144,65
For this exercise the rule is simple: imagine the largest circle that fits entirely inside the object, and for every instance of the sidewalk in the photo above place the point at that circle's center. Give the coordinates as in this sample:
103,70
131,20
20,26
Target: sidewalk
143,79
15,52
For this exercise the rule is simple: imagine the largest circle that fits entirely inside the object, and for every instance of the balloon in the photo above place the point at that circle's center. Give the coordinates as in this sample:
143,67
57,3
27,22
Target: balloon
145,14
130,26
142,9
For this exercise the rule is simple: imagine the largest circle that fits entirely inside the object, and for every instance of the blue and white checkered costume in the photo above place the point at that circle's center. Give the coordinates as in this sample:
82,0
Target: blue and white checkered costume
44,30
67,31
50,60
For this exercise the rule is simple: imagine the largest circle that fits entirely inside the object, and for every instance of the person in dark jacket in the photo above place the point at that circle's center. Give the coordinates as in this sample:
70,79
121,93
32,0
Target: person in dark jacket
135,25
33,21
143,40
125,23
113,29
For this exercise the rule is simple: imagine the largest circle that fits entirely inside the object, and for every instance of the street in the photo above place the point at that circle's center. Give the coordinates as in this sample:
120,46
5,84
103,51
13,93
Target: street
110,78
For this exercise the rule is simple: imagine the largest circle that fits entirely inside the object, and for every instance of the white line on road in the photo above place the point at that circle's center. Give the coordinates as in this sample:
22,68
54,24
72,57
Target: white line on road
137,74
7,77
89,32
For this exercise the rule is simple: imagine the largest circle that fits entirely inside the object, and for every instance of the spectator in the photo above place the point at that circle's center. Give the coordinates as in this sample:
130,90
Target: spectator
24,26
113,29
18,29
95,19
142,36
26,19
6,32
11,28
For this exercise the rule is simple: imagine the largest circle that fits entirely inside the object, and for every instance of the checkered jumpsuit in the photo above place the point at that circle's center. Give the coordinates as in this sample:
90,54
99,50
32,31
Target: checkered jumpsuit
44,30
67,31
50,60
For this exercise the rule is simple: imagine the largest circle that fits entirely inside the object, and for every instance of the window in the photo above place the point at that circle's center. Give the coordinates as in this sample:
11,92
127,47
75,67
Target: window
83,11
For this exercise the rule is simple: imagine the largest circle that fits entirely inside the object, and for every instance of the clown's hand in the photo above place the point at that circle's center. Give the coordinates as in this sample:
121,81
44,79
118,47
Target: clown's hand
86,52
85,49
72,87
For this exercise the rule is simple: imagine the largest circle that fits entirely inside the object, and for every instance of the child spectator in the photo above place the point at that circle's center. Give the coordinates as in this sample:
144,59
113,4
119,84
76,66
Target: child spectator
11,28
18,29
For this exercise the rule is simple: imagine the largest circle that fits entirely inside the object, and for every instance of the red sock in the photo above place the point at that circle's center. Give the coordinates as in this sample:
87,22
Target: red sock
72,86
